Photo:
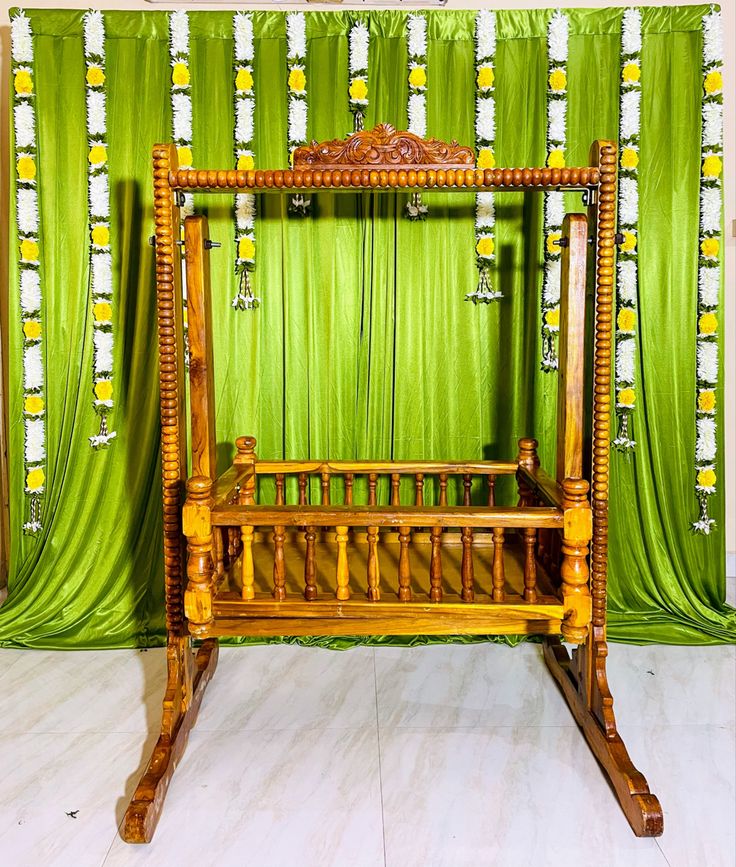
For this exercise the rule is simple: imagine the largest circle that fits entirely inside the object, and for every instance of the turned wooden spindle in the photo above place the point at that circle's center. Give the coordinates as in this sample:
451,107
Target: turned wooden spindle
310,565
435,566
280,489
576,534
395,482
372,482
325,484
491,491
419,489
246,454
404,565
349,479
467,485
302,489
342,571
530,565
443,489
528,459
200,565
466,567
499,570
279,567
374,573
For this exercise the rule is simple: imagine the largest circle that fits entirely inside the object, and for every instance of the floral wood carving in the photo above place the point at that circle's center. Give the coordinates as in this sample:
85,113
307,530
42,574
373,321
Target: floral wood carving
384,147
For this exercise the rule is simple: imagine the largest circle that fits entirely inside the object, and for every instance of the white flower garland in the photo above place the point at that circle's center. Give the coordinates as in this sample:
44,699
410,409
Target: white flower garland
709,267
416,109
181,121
554,203
296,89
485,140
358,68
627,266
98,205
25,159
243,133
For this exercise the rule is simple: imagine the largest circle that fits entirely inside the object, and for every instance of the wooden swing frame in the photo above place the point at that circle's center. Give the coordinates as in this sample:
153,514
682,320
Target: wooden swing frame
554,521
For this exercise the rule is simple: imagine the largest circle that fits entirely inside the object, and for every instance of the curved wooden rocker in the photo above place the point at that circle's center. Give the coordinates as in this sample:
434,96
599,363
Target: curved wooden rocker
516,569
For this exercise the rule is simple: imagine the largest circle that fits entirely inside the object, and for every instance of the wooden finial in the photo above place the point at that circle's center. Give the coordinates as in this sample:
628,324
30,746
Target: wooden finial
528,452
246,447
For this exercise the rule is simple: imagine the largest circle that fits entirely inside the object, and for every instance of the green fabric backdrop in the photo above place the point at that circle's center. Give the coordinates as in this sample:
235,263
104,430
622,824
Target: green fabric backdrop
369,351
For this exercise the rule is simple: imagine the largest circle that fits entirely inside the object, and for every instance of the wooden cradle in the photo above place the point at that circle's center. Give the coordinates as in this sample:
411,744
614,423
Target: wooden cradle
297,567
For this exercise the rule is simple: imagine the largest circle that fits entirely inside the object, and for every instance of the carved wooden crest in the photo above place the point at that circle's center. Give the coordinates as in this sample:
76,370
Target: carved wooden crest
384,147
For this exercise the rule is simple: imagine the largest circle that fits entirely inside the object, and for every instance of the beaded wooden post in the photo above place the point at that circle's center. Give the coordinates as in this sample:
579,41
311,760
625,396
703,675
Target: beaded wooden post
342,572
404,565
499,572
435,566
583,678
187,674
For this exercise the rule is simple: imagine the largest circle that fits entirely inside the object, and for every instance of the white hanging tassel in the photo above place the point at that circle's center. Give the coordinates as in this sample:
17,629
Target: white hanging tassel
485,293
33,525
104,437
245,299
415,208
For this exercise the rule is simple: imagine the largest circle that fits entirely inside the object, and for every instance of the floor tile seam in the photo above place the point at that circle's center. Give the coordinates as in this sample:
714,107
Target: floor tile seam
380,766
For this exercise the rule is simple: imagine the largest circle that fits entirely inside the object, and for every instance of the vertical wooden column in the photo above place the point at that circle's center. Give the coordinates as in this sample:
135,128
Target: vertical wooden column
466,566
201,371
571,373
372,482
279,566
200,565
602,215
576,534
171,383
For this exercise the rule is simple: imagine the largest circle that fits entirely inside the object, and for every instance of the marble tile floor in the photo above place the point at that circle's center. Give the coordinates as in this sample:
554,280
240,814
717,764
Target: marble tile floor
422,757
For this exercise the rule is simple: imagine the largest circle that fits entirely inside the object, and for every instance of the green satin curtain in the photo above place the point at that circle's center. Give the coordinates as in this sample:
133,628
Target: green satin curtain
363,346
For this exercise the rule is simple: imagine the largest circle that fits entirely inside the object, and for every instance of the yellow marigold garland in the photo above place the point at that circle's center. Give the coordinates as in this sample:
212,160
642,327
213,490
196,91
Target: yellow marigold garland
627,266
485,141
358,40
98,204
296,94
709,270
416,107
243,134
25,159
554,204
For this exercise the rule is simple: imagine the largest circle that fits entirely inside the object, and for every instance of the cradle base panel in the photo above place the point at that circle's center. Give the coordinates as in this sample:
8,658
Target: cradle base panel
145,808
640,806
259,617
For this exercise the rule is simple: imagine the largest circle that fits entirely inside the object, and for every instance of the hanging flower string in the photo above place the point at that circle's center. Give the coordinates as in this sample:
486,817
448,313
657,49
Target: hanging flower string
709,267
554,202
416,34
31,296
627,267
98,204
485,139
245,203
181,115
296,86
358,68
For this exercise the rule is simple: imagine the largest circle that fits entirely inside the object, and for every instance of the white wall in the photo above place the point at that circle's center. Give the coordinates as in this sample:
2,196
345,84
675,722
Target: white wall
729,20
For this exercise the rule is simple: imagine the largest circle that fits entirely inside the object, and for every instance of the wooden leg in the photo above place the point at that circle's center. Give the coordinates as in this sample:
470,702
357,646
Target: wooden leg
188,675
583,682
